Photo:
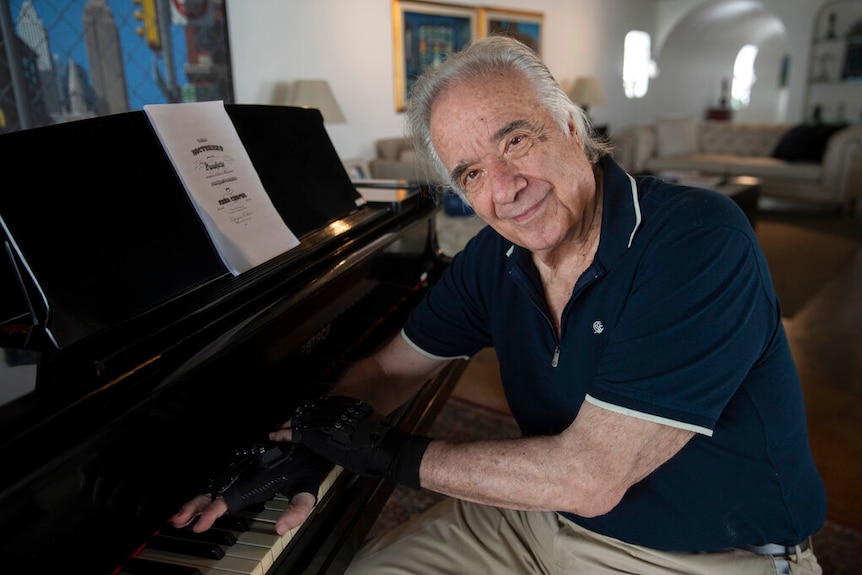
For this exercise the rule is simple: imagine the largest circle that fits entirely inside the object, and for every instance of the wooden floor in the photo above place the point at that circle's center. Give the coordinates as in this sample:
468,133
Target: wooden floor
826,339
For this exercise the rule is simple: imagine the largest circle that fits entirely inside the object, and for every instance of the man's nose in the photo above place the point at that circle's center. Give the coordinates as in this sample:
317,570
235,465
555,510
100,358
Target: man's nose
506,181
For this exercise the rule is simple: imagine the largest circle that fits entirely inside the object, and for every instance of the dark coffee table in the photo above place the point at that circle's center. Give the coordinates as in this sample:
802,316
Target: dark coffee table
745,191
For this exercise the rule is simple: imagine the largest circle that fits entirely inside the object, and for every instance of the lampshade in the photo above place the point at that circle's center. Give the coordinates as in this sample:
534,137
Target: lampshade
316,94
587,91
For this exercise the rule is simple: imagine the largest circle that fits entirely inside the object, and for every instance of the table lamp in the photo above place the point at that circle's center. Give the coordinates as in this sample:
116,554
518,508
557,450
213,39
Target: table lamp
316,94
587,91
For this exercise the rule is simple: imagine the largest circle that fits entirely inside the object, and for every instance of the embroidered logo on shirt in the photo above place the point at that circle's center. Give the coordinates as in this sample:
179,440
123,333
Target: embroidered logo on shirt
598,327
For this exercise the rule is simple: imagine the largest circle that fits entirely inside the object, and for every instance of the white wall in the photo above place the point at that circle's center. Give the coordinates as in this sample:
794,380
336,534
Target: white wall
349,43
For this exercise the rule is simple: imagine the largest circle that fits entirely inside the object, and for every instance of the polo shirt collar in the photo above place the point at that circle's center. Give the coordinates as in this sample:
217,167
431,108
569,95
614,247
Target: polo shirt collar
621,213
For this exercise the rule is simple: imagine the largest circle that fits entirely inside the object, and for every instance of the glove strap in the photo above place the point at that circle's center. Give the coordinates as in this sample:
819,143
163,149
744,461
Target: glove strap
404,468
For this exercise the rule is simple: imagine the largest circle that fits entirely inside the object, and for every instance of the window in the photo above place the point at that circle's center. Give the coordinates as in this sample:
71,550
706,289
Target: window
743,77
638,66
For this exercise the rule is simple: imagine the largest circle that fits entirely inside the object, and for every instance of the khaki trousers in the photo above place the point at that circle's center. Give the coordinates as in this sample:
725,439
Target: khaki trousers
460,537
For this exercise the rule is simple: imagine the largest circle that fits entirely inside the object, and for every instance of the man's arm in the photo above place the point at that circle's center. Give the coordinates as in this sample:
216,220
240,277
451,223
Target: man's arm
389,378
585,470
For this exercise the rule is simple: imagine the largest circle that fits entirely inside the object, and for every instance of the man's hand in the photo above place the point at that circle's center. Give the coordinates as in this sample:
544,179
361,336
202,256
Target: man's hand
256,475
206,511
350,433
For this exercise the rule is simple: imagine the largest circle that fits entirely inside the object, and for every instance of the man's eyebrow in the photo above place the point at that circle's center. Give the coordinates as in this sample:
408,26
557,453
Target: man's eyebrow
509,128
456,172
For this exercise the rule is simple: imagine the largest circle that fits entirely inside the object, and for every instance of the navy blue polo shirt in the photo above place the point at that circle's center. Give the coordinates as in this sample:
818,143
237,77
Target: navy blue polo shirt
675,321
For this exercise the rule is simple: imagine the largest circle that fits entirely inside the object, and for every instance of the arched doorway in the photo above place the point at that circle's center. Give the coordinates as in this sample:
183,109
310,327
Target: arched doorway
697,55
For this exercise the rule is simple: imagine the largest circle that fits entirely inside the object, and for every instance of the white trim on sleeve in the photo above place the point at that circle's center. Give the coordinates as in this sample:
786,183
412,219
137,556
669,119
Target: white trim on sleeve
431,355
648,417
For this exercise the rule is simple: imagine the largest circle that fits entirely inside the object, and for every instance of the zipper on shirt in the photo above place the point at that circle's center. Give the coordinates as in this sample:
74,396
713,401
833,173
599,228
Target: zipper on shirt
555,358
539,304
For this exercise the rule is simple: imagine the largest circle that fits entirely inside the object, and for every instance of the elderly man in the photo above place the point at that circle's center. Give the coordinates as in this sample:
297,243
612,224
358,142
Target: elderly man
641,349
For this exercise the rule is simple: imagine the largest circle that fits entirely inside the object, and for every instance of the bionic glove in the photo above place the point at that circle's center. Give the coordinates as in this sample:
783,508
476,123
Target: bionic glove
257,474
350,433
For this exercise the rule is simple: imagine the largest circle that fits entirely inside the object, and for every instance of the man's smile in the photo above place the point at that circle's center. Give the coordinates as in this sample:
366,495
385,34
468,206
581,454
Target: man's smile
527,214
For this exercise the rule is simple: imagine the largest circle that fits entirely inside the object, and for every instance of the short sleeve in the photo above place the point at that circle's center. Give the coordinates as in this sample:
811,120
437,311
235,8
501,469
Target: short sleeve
452,320
699,315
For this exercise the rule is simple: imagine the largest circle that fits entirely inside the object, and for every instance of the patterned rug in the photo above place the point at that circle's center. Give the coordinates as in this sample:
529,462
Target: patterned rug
839,550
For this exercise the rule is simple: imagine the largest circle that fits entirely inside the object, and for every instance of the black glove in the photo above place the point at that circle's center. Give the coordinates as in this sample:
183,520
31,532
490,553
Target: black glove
350,433
258,473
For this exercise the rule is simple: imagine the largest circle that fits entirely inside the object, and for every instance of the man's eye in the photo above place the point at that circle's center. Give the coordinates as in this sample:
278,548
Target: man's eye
518,145
470,181
469,176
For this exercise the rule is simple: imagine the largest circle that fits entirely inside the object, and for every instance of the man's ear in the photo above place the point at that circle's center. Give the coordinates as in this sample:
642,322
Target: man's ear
573,132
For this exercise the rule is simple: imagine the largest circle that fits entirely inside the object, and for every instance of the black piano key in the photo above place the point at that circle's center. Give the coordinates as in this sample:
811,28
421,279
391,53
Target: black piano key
231,523
137,566
217,536
267,516
255,507
186,547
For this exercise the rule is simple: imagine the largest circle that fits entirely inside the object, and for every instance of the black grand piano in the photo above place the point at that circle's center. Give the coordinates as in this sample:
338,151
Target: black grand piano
134,363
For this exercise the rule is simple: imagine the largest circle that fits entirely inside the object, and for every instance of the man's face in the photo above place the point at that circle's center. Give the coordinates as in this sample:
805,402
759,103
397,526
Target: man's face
521,173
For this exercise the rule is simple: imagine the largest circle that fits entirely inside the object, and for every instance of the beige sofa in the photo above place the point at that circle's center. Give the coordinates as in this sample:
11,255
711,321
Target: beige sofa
396,160
784,157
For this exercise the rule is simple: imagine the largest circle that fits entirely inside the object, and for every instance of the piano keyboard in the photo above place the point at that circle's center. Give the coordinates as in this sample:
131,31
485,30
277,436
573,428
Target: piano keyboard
225,548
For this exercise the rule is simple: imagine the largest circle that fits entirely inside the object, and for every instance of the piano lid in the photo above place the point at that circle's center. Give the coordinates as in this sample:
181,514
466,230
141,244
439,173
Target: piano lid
102,230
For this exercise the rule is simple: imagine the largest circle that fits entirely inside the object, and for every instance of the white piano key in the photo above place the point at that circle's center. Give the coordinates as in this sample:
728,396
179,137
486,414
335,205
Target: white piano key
261,555
264,528
279,503
257,538
223,566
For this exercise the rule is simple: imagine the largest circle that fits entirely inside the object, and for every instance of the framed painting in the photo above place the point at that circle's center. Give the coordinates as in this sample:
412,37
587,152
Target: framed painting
424,33
77,59
525,26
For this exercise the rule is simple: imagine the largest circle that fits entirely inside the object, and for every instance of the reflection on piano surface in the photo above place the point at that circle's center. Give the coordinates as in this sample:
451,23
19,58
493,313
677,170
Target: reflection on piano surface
146,363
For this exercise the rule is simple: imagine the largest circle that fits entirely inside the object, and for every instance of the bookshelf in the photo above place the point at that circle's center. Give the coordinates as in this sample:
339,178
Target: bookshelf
834,87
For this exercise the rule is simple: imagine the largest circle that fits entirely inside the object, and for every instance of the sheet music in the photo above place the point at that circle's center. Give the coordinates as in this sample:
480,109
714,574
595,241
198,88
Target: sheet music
221,181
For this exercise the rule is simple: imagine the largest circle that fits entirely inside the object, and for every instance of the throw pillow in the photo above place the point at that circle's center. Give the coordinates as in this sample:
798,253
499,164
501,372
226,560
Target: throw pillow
805,143
675,136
